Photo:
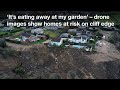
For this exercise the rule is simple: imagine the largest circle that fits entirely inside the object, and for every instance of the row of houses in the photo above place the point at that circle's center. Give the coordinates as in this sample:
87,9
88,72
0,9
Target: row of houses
80,38
27,38
58,41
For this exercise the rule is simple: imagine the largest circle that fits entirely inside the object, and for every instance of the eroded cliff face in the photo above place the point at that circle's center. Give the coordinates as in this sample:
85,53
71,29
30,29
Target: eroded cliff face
40,62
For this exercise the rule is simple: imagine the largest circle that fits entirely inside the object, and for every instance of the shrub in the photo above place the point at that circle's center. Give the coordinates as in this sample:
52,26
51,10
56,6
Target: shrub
2,43
19,70
17,42
62,45
54,45
99,35
73,33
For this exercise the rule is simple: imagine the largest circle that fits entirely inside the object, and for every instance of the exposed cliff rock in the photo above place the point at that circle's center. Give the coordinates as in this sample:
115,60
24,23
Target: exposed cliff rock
40,62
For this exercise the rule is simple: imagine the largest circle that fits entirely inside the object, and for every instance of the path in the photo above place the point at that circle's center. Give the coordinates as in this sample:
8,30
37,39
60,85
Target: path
17,47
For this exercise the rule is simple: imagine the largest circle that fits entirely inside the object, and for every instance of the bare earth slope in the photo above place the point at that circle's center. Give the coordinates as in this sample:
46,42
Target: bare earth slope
40,62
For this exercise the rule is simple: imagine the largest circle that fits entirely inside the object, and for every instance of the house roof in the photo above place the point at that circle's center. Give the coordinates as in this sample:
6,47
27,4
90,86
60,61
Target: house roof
84,32
84,36
81,36
77,38
26,34
37,29
72,30
65,35
41,35
56,39
53,27
82,27
78,34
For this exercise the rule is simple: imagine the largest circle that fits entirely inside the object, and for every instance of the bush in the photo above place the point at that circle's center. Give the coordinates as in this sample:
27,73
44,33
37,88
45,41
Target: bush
73,33
19,70
3,34
2,43
99,35
54,45
17,42
62,45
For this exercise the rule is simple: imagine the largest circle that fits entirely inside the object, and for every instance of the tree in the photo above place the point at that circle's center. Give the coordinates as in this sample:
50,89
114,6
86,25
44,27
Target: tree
62,45
99,35
2,43
73,33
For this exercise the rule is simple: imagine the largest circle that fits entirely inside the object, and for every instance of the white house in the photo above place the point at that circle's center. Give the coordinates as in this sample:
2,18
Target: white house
57,41
81,39
28,37
37,31
72,30
82,28
65,35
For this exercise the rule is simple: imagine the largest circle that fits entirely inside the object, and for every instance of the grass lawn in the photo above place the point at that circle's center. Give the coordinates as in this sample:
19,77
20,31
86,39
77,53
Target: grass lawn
38,42
52,34
12,33
20,32
17,37
3,34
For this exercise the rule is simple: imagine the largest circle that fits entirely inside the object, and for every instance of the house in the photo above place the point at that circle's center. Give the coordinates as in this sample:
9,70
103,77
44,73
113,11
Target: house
53,27
81,39
65,35
82,28
85,32
37,31
72,30
84,38
78,34
1,25
75,40
26,37
79,30
57,41
43,37
90,28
